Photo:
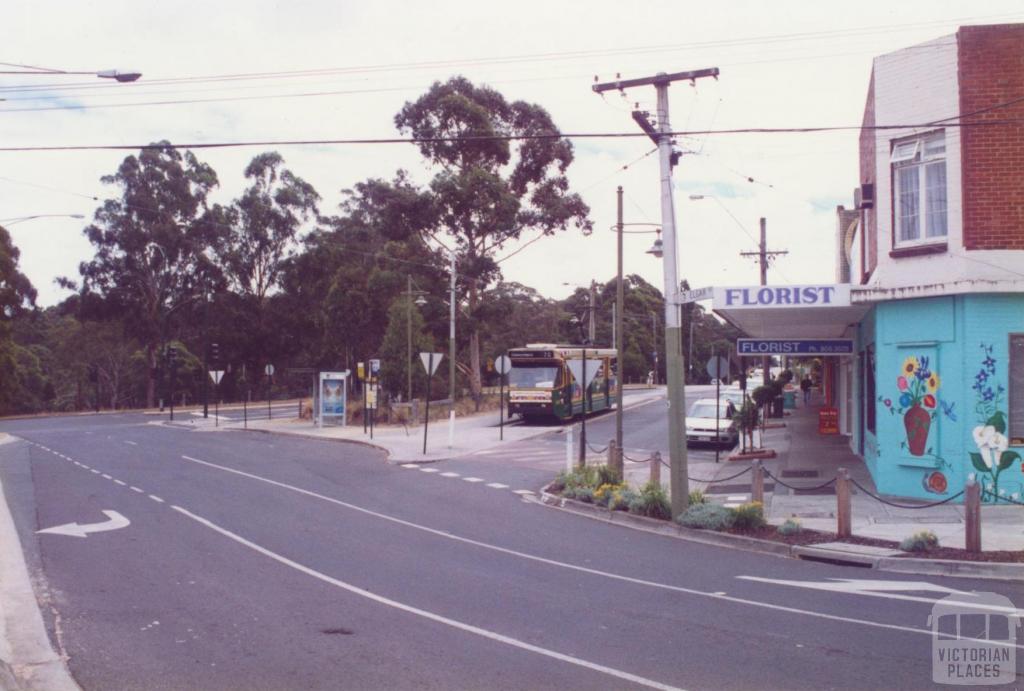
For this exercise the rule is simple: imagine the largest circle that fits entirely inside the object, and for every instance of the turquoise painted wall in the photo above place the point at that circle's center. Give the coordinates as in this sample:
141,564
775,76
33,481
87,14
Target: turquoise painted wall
941,379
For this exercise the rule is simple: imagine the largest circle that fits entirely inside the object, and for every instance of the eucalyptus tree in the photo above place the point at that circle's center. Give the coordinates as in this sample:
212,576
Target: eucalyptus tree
153,256
500,172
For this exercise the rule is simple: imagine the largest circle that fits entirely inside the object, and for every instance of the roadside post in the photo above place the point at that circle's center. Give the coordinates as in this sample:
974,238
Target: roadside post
502,364
172,356
972,515
216,375
583,378
269,369
844,517
430,362
717,367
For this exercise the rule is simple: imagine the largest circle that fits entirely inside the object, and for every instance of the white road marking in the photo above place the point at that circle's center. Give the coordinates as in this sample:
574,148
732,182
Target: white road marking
130,442
473,479
94,471
156,498
114,521
739,497
85,466
428,470
136,489
497,485
566,565
462,626
523,492
107,476
411,465
449,474
119,482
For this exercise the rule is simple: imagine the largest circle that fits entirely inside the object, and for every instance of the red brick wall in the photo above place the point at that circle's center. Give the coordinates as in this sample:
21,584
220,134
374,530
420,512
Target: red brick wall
867,176
991,71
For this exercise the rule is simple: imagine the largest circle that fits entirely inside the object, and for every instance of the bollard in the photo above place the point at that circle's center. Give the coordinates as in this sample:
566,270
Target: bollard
568,450
611,454
844,517
757,482
656,468
972,515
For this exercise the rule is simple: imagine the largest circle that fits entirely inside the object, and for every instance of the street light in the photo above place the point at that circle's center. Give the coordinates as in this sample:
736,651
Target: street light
116,75
21,219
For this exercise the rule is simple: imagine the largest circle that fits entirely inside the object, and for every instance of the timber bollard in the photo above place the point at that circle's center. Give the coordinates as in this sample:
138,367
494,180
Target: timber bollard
612,455
656,468
757,482
972,515
844,517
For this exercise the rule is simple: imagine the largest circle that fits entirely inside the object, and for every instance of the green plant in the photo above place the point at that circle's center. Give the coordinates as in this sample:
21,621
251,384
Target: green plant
749,516
791,526
585,495
652,502
923,541
708,517
603,494
622,498
697,497
763,395
606,475
578,477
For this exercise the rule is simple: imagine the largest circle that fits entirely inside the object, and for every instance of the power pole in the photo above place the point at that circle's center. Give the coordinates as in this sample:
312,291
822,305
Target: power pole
620,301
451,353
679,488
591,326
764,256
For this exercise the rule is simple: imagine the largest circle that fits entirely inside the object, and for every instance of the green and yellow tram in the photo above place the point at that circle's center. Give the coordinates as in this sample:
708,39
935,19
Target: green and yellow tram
541,382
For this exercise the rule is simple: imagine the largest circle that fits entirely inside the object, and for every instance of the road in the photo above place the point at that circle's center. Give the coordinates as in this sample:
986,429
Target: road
263,562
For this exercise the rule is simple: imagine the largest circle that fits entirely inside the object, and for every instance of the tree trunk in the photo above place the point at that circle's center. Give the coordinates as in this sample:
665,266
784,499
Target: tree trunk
475,385
151,376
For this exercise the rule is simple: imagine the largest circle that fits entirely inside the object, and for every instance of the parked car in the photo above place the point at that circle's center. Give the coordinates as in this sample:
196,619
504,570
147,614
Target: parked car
700,423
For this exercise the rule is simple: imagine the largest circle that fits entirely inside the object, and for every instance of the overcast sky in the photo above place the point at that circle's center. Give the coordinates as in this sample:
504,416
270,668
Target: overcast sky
343,69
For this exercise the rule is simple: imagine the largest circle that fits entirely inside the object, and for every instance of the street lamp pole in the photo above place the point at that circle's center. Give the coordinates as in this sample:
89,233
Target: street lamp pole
451,352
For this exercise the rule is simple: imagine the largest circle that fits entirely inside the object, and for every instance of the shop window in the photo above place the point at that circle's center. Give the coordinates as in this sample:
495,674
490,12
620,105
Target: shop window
869,389
1016,369
919,190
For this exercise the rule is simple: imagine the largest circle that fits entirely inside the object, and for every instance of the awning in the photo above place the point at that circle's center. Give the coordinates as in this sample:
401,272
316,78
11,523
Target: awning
803,311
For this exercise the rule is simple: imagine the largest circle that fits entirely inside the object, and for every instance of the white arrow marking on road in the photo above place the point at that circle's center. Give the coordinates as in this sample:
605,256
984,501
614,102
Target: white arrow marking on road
885,589
115,521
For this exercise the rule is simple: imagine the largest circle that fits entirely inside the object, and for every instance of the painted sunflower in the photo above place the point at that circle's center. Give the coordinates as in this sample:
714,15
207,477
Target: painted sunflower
910,366
933,383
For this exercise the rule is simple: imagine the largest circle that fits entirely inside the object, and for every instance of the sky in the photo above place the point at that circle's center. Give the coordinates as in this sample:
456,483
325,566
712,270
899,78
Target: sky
272,71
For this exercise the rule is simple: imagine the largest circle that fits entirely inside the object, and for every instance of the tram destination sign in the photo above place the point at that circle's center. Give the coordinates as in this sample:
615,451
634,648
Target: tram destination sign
794,346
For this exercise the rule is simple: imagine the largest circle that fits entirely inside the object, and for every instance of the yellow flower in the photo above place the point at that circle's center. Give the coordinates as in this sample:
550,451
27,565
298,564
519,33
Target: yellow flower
910,366
933,383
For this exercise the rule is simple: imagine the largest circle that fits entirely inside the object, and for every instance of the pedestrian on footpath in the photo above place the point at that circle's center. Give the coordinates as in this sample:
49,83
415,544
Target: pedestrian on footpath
805,386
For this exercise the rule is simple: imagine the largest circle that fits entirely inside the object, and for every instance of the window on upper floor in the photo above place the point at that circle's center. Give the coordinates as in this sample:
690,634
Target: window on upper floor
919,189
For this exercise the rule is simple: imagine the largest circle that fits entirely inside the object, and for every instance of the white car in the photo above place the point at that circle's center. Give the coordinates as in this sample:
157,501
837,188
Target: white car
700,423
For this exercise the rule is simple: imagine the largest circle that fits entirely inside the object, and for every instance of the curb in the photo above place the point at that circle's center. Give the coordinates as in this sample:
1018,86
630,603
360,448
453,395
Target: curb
921,567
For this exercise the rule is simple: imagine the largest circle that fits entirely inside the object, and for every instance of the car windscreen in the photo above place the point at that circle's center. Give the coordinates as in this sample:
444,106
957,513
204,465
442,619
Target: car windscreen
533,376
707,410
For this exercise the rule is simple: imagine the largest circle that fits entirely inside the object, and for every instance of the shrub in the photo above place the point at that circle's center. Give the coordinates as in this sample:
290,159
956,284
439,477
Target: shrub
579,477
749,516
697,497
791,526
708,517
585,495
651,501
923,541
603,494
622,498
605,475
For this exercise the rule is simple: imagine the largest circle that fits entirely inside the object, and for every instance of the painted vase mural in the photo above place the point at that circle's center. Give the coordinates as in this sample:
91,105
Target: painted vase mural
917,385
993,456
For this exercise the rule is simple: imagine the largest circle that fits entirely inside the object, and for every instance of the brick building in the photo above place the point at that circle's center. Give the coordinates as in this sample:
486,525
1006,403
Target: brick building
934,249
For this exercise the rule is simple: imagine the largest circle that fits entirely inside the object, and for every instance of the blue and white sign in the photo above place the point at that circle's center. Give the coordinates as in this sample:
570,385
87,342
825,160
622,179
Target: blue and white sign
782,297
794,346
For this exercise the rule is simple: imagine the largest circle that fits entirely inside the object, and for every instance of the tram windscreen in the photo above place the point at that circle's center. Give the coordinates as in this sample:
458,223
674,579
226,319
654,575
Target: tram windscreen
533,376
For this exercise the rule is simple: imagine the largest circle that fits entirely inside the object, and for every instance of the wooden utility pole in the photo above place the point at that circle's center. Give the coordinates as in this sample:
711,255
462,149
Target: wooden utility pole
764,256
620,301
675,367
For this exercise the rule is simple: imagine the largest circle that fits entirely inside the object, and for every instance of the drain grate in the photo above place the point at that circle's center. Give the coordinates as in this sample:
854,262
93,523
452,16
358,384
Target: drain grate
799,473
337,632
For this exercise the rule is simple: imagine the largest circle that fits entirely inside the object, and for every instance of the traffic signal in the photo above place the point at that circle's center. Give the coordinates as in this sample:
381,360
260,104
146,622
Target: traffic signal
214,353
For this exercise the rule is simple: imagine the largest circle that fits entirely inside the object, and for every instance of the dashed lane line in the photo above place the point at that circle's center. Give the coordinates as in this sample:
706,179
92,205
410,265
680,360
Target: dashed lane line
449,474
428,470
473,479
497,485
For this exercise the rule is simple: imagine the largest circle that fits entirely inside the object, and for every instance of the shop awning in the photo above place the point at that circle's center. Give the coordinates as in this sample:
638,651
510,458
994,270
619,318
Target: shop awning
802,311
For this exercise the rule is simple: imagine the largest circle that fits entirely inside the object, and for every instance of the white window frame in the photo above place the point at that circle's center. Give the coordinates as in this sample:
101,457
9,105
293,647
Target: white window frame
914,153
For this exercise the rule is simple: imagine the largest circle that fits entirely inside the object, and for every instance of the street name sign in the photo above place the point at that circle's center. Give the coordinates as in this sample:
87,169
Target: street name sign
686,296
794,346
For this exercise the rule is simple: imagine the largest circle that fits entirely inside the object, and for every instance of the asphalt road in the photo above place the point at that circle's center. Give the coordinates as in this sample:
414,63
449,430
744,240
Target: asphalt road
254,561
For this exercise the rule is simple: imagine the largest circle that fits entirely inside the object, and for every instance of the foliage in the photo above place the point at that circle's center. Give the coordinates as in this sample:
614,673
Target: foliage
622,498
584,494
749,516
605,492
652,502
790,526
606,475
707,517
697,497
763,395
923,541
404,319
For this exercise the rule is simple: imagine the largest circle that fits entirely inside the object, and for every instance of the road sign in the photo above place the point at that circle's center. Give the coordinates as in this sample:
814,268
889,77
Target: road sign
794,346
576,367
216,375
374,368
718,367
503,364
686,296
269,370
360,371
428,362
371,397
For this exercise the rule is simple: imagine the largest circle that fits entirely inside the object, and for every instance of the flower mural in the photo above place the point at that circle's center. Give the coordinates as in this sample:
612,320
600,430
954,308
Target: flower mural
993,456
917,402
